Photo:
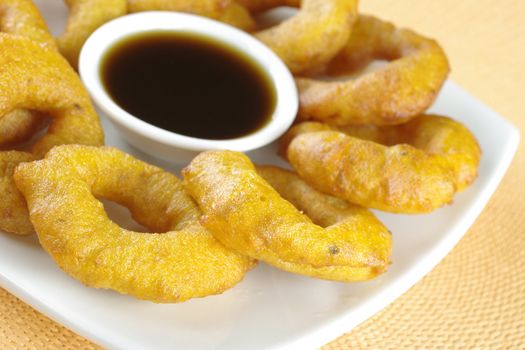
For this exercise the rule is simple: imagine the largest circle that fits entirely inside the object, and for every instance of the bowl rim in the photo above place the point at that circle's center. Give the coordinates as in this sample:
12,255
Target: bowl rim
106,36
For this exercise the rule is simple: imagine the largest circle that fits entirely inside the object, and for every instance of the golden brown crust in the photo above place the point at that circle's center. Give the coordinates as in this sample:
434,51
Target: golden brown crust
21,17
40,79
44,81
182,261
411,168
237,16
247,214
14,217
18,18
397,92
314,35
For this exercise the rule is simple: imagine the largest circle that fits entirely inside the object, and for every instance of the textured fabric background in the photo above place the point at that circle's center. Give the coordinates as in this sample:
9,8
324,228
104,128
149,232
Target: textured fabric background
475,298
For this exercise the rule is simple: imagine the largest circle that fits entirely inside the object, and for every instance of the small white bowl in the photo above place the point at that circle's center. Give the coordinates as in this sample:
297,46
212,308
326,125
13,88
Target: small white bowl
166,144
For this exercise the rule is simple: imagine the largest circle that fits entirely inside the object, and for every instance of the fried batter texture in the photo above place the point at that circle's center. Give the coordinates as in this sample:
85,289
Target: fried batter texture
73,227
313,36
394,94
13,210
411,168
40,79
228,11
85,16
248,215
21,17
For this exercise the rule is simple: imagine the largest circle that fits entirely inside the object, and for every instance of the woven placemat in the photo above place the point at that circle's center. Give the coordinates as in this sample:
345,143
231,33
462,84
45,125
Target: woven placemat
475,298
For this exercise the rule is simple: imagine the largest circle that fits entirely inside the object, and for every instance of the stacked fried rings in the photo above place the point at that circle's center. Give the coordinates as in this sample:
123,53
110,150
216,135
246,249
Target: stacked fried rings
248,215
36,78
318,31
182,261
21,17
402,89
370,146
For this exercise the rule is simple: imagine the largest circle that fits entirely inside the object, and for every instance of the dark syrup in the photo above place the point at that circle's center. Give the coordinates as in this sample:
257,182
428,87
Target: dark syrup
189,84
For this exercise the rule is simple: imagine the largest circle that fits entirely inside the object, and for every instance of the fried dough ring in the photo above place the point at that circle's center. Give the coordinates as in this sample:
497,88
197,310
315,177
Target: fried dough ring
247,215
227,11
40,79
314,35
21,17
85,16
73,227
411,168
394,94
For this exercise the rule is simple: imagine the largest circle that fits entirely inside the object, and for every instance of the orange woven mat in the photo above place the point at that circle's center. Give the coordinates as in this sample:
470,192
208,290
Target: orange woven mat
475,298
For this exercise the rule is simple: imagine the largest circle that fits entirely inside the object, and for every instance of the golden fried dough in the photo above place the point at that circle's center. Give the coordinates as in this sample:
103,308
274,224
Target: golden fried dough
13,210
40,79
314,35
21,17
238,16
248,215
182,263
85,16
394,94
411,168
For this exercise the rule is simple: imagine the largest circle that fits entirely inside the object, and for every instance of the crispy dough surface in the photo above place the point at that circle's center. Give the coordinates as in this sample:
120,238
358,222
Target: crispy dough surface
180,262
397,92
21,17
247,214
14,217
411,168
40,79
314,35
85,16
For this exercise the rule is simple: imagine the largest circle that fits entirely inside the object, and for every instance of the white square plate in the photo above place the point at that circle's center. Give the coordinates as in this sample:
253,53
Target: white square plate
270,309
